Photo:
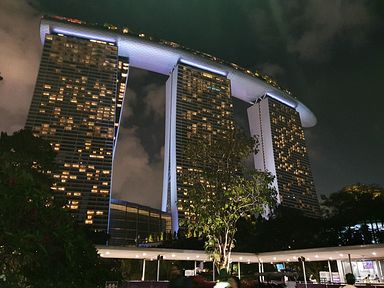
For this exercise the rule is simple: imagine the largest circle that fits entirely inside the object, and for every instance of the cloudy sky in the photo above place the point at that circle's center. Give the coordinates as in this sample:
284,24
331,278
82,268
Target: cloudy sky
328,52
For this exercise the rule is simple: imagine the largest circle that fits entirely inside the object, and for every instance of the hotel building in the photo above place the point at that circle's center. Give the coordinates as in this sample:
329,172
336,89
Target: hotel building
198,102
283,152
77,106
78,100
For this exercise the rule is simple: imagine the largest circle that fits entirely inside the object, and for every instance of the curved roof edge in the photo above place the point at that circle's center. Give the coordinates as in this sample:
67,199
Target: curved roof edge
156,57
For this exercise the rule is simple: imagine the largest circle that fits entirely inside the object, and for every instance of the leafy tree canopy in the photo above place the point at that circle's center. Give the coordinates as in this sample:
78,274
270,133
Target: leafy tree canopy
40,246
219,191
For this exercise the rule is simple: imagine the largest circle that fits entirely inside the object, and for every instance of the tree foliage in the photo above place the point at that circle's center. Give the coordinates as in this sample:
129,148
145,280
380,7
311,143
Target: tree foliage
354,213
219,191
352,216
40,246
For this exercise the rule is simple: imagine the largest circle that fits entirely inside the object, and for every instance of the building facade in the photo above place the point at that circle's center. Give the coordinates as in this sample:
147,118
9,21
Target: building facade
198,102
78,99
76,106
135,225
283,152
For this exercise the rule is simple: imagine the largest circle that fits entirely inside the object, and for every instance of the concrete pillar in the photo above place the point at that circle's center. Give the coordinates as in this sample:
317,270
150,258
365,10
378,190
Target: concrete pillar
340,269
238,270
158,269
330,271
380,268
262,271
350,263
143,275
304,274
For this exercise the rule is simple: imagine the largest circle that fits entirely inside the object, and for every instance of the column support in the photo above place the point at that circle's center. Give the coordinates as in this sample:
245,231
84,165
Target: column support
330,271
143,275
350,262
158,269
304,274
262,271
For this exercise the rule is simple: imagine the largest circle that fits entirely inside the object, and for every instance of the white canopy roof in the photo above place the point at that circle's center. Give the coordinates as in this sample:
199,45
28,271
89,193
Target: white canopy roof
359,252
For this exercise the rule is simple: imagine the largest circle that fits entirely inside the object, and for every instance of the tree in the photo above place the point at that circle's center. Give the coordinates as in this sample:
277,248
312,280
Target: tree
219,191
357,204
288,227
40,245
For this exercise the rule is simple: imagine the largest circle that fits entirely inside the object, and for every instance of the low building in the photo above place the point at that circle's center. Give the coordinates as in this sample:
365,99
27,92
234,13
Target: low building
131,224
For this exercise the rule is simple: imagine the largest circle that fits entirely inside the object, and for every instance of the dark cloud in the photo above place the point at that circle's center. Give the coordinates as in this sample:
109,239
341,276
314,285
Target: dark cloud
135,178
271,69
20,51
138,167
322,24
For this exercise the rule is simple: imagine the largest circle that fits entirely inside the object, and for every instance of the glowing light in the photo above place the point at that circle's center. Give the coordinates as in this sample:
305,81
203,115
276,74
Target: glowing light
203,67
83,35
281,99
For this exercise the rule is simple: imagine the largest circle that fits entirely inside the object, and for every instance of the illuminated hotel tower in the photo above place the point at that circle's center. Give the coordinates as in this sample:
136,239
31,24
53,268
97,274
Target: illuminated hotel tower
197,102
77,106
283,152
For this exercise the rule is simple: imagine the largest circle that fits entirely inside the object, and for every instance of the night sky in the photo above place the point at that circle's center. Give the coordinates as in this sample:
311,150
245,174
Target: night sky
329,53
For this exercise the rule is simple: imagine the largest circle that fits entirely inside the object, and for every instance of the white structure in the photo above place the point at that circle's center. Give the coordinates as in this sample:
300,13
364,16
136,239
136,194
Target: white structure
283,152
163,57
364,259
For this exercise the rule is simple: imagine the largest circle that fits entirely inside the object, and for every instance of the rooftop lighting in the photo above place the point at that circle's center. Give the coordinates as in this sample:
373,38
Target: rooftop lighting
82,35
203,67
